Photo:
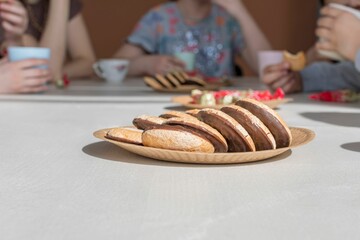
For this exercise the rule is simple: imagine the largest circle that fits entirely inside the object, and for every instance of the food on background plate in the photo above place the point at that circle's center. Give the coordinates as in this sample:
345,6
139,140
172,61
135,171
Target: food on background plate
214,131
173,80
226,97
297,61
182,81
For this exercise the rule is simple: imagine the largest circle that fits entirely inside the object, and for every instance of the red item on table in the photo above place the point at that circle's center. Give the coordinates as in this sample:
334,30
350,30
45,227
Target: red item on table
340,96
63,82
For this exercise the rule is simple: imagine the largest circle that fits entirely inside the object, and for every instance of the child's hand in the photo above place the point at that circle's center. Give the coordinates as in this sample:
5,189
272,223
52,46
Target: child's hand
280,76
14,20
162,64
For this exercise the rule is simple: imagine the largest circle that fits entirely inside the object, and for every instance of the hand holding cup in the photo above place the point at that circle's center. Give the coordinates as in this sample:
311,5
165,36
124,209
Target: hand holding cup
339,32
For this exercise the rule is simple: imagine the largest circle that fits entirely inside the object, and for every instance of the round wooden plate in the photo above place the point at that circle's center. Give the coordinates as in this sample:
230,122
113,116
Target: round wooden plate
186,102
301,136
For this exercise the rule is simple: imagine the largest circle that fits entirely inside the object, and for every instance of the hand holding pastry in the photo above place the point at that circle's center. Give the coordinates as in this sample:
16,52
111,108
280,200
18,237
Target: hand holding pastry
14,21
281,76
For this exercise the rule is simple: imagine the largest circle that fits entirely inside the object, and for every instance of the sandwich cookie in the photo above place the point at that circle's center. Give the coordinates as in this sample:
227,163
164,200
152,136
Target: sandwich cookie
146,122
193,112
260,134
202,129
271,119
126,135
238,139
177,114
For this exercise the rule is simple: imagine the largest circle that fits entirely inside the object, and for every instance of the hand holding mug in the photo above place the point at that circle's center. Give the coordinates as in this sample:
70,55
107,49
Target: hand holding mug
23,76
339,31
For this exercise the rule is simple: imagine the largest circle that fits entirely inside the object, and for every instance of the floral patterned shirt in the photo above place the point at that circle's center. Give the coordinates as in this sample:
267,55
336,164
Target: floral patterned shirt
214,40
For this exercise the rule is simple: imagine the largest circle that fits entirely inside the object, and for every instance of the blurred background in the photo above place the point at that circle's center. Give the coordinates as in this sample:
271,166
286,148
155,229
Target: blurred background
288,24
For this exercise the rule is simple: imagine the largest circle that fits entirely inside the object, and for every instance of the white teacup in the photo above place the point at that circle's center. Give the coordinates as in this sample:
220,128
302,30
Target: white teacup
267,58
332,54
112,70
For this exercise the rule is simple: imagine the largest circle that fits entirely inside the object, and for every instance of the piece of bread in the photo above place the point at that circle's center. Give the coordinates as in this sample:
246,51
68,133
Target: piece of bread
270,118
126,135
238,139
176,138
297,61
144,122
260,134
202,129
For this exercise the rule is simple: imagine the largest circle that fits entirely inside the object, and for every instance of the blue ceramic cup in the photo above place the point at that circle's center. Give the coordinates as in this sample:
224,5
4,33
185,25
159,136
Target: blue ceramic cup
23,53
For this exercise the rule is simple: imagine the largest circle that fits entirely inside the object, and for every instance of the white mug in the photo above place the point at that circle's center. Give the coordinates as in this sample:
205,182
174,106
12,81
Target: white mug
23,53
332,54
112,70
188,58
267,58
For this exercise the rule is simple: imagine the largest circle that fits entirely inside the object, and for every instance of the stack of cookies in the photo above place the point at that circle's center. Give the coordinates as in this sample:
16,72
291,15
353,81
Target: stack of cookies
246,126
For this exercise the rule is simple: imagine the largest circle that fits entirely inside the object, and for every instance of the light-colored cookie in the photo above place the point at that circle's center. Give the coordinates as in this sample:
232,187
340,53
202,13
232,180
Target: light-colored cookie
203,129
176,138
126,135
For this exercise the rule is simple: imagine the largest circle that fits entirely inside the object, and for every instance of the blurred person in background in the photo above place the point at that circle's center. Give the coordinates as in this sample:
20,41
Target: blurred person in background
340,32
214,30
59,25
320,74
21,76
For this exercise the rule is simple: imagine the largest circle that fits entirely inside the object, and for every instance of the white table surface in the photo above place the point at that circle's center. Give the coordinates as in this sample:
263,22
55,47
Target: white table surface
58,182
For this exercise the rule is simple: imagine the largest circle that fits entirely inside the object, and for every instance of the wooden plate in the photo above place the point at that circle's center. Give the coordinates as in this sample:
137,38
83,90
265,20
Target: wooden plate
301,136
186,102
